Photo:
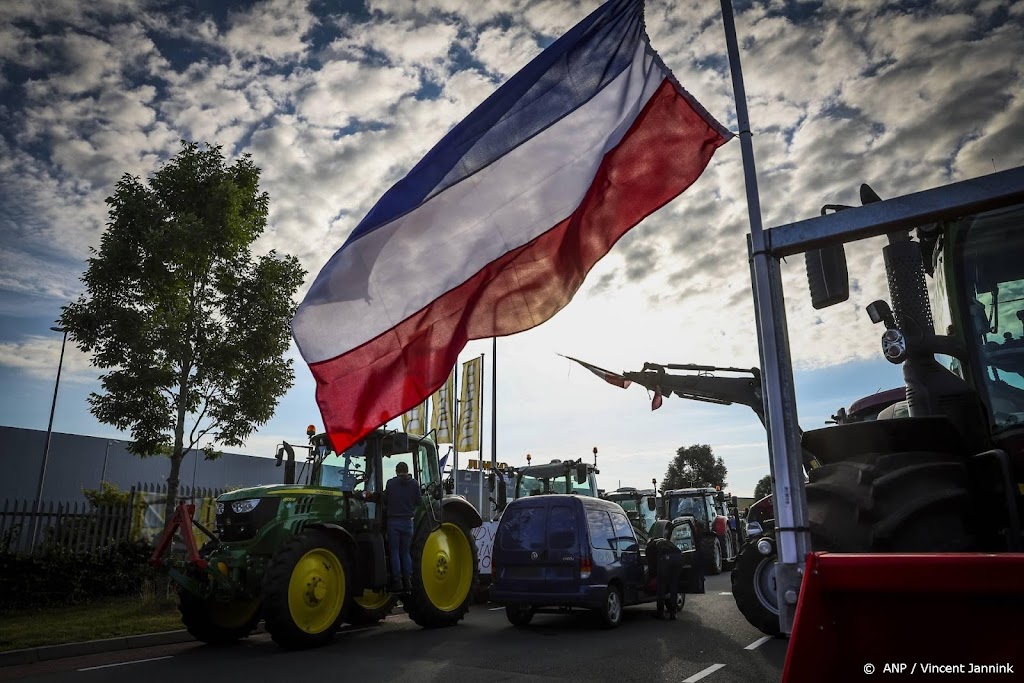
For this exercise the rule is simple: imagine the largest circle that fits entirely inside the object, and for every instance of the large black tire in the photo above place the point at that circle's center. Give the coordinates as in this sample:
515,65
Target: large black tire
444,576
896,502
753,587
215,622
711,551
371,607
307,590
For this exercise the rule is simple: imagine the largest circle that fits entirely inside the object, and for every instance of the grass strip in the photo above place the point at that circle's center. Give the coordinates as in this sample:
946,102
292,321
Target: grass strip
110,618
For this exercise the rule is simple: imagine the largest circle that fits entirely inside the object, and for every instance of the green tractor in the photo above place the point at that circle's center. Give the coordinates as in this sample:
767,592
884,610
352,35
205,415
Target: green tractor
307,558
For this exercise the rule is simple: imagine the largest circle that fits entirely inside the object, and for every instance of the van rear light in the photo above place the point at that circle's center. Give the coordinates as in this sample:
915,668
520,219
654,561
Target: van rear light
584,567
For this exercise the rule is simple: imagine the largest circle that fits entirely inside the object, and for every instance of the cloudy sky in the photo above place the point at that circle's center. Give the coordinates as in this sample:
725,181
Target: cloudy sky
336,100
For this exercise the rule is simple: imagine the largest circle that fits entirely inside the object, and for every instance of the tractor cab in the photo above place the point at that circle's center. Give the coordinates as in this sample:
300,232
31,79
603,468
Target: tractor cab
640,505
558,476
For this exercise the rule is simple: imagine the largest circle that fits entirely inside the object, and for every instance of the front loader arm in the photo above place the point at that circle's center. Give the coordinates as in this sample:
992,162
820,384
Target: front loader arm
703,385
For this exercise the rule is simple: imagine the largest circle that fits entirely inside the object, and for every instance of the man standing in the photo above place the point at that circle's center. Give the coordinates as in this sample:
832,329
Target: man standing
401,497
665,562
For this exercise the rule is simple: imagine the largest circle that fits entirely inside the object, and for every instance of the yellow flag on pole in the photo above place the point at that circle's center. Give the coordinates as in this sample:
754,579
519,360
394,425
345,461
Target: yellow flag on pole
441,408
469,405
414,420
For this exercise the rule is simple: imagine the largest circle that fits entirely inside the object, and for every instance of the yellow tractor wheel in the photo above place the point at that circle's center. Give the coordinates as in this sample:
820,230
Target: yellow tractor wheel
444,573
307,590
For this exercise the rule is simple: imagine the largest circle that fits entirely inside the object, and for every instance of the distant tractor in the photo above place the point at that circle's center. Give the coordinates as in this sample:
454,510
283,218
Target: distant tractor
640,505
718,539
307,558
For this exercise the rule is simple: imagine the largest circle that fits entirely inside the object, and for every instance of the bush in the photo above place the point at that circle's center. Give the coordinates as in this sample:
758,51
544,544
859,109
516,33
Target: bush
64,578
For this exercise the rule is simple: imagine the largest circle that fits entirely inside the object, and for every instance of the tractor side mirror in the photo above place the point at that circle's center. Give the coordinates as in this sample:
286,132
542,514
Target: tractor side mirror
736,502
827,276
652,504
502,494
581,473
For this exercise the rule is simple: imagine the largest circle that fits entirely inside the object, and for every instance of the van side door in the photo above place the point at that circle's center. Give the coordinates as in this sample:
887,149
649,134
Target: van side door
627,549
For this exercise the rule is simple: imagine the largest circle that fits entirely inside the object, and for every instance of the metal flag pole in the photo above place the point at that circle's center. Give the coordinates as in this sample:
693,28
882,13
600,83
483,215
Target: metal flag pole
494,402
453,420
477,408
791,528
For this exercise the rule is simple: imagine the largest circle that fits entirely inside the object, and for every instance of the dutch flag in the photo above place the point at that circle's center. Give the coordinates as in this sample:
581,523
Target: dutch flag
494,230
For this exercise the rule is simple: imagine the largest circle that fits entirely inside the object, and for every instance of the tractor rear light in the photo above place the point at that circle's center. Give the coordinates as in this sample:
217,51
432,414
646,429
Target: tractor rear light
585,567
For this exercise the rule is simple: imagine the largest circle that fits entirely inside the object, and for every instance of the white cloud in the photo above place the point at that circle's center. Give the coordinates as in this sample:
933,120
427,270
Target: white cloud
39,357
272,29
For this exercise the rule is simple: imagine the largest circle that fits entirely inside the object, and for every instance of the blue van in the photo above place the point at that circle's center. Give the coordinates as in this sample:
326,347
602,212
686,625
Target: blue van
556,553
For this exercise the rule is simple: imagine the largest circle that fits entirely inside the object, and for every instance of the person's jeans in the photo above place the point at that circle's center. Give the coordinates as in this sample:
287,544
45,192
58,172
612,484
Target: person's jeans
399,547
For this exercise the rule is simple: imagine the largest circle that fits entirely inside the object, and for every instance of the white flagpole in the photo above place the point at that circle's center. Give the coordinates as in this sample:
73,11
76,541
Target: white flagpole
791,529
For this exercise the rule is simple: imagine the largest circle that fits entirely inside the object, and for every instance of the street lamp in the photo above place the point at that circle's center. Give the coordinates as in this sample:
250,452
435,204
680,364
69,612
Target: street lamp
46,449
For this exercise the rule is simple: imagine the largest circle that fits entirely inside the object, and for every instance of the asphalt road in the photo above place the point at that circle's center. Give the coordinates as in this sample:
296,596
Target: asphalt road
710,642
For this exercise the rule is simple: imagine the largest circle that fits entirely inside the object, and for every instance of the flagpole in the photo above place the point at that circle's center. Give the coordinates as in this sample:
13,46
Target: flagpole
494,402
477,409
452,427
793,537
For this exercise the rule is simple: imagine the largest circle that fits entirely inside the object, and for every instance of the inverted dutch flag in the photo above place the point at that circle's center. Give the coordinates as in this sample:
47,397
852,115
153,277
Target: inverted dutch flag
494,230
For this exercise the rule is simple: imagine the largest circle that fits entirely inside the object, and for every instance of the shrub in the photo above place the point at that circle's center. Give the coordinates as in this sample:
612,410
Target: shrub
65,578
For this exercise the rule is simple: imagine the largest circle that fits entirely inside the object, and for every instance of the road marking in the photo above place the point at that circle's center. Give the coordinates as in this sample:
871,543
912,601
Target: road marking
706,672
135,661
495,609
758,643
725,593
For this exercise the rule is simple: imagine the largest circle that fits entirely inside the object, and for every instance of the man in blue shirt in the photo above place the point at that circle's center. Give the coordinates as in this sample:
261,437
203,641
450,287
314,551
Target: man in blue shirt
401,497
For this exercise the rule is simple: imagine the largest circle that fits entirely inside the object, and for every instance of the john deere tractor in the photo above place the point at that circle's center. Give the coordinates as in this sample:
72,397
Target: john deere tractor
307,558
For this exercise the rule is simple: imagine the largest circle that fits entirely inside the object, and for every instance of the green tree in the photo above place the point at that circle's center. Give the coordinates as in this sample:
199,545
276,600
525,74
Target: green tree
694,467
190,328
763,488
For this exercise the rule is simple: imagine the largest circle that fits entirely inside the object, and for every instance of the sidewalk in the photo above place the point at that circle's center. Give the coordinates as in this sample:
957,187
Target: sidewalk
32,655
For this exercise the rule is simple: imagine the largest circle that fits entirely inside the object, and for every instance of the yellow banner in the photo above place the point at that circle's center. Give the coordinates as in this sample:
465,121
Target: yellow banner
441,418
414,421
469,405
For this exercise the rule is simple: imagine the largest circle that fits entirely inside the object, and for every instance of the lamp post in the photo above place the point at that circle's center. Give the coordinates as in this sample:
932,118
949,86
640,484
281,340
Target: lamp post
46,449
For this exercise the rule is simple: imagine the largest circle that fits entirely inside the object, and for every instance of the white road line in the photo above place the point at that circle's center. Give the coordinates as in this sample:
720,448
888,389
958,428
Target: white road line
706,672
725,593
758,643
134,661
495,609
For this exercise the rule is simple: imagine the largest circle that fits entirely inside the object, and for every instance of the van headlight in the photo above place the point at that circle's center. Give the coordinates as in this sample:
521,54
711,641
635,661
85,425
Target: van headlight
243,506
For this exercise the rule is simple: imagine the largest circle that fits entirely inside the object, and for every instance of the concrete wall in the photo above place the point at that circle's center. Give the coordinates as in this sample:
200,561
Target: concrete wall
76,462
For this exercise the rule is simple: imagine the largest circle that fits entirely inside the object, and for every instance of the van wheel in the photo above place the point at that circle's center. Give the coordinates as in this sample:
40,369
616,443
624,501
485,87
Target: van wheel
611,612
519,615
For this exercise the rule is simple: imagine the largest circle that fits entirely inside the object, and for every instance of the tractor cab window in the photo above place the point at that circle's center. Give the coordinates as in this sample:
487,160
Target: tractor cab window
350,471
688,506
587,488
994,307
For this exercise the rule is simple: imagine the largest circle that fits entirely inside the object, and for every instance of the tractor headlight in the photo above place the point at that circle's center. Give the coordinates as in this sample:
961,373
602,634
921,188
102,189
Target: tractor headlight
220,509
243,506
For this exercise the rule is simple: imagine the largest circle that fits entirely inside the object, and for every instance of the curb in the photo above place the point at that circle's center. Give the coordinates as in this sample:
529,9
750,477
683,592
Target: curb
33,655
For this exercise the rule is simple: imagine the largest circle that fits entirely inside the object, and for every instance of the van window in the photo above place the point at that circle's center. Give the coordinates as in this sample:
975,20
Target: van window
602,534
522,528
561,528
625,539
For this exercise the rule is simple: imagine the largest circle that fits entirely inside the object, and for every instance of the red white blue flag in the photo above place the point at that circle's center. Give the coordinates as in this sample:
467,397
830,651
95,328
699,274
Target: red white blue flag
494,230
